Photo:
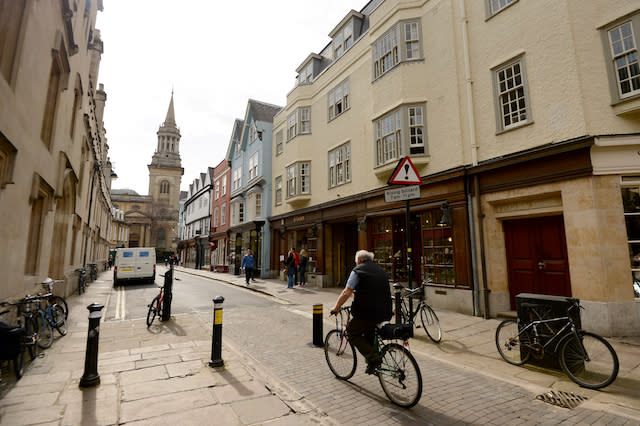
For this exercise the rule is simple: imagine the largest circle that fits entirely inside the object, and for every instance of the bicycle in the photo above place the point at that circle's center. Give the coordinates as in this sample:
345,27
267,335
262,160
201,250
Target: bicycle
12,347
155,307
398,373
52,298
51,317
82,280
26,318
428,317
587,358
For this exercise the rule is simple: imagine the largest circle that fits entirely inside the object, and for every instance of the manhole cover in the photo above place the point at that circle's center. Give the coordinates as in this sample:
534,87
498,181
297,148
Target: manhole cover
562,399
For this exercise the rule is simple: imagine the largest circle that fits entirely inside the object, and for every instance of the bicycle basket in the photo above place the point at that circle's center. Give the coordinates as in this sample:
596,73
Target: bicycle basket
396,331
9,340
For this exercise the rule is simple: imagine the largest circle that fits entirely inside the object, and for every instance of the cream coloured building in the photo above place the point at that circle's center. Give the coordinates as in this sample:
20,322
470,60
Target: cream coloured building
54,164
522,119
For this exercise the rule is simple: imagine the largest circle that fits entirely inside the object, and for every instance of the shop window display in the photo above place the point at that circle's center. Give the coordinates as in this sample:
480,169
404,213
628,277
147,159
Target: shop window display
437,249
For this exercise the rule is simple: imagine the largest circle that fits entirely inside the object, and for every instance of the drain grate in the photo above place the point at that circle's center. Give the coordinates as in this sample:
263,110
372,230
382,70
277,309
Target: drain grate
562,399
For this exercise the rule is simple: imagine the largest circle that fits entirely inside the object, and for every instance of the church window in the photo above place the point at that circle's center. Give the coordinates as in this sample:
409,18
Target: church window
57,74
164,187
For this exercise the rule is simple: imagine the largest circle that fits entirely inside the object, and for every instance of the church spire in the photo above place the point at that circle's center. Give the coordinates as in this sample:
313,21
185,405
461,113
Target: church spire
171,117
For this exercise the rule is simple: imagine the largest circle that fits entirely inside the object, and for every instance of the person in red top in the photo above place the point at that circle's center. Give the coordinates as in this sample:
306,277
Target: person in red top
297,259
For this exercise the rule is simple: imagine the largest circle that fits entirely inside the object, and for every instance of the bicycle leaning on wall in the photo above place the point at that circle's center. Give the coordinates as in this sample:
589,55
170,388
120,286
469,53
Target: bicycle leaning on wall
587,358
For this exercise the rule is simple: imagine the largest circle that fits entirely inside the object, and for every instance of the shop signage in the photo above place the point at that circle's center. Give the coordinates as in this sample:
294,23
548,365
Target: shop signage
401,194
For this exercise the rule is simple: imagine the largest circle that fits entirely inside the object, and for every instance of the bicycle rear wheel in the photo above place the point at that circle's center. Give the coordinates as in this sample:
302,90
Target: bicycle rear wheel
45,331
431,323
151,315
31,336
594,367
340,354
510,343
59,319
400,375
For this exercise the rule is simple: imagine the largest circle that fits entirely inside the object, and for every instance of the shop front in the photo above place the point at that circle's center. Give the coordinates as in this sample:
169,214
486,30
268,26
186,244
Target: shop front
219,255
242,238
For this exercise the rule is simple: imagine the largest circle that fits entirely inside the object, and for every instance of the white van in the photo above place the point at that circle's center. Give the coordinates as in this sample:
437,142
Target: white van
134,263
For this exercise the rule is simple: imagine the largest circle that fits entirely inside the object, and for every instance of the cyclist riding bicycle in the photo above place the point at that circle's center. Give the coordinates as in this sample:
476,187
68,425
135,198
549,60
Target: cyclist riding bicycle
371,305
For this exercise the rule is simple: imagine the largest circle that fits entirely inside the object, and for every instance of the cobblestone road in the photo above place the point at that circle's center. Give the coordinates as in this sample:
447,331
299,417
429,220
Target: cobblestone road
279,338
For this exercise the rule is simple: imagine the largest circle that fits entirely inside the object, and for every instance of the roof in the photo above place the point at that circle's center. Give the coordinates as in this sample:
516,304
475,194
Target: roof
262,111
124,191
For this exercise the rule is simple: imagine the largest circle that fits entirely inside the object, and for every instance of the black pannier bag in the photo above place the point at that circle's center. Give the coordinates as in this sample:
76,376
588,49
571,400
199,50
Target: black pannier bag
10,340
396,331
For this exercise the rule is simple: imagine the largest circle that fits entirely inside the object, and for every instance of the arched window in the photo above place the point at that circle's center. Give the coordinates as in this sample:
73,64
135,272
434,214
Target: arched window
164,187
161,239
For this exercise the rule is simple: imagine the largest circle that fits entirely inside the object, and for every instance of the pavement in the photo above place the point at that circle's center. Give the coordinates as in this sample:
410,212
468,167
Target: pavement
161,374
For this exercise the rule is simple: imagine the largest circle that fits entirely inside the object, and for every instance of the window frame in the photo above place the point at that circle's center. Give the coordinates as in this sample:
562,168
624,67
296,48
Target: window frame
279,142
342,89
298,179
253,166
237,179
296,122
389,130
344,151
277,187
390,49
501,126
489,4
610,57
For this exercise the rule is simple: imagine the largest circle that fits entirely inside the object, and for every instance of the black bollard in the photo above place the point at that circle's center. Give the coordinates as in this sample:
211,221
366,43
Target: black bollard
168,294
397,293
317,325
91,376
216,340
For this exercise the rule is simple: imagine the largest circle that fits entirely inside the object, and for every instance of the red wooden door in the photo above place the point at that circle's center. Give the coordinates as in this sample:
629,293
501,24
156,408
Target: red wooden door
537,257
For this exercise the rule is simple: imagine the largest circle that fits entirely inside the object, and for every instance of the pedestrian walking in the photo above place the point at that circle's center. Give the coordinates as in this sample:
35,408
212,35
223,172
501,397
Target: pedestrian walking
248,264
296,258
290,264
302,268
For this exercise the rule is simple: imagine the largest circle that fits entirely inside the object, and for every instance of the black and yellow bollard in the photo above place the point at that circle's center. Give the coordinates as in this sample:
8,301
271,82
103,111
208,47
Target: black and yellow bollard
168,294
317,325
216,340
397,294
91,376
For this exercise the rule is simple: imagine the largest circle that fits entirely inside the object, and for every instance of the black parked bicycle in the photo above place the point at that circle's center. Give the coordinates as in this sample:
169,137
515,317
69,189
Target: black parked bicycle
587,358
54,299
399,374
82,280
428,317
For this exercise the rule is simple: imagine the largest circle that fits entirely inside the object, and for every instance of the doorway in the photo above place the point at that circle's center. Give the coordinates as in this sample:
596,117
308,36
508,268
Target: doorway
537,261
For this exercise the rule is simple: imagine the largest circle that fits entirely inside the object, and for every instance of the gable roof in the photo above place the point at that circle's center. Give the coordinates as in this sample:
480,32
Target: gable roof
262,111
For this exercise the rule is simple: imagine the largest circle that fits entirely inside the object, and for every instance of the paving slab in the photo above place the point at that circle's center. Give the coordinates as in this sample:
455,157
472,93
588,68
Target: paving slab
260,410
204,416
240,391
175,402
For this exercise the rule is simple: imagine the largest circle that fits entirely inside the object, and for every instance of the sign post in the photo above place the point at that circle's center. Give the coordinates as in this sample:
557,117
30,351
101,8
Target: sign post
405,173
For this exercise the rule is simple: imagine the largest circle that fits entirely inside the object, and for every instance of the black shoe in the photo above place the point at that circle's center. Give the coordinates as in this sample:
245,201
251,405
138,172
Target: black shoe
373,367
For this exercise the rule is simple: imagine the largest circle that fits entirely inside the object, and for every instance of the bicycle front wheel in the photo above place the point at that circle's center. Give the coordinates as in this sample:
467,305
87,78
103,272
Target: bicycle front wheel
31,336
57,300
45,331
340,354
431,323
589,360
59,320
400,375
18,363
510,343
151,315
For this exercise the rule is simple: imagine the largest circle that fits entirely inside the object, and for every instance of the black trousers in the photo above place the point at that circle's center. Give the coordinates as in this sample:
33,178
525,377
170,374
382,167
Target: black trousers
248,272
362,334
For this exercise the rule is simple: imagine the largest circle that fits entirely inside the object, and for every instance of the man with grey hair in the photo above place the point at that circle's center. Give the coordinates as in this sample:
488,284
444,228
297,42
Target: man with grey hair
369,284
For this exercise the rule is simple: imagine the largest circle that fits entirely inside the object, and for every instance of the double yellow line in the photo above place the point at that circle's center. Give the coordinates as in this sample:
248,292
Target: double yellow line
121,297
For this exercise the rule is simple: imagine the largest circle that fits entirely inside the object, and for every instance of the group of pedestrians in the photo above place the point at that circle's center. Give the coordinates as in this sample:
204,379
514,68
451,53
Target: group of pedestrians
296,267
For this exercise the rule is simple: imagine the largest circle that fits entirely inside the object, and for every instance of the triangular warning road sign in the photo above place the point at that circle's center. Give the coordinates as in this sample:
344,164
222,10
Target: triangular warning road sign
405,173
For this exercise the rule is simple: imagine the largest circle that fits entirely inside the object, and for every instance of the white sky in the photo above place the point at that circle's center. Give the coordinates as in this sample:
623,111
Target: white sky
215,55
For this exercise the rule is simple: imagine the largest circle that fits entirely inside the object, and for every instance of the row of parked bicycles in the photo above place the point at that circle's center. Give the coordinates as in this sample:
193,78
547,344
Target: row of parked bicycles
34,320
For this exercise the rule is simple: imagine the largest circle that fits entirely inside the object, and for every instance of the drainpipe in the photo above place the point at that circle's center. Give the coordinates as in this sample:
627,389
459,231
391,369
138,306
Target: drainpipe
474,256
480,216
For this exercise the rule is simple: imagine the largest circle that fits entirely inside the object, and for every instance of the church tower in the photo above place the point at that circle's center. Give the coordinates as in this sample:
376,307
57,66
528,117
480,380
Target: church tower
165,175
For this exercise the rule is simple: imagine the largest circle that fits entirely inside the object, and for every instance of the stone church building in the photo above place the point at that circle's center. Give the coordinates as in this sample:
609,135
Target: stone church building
153,218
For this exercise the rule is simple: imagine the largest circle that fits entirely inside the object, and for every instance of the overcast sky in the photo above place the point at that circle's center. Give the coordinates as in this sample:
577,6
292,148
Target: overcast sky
215,55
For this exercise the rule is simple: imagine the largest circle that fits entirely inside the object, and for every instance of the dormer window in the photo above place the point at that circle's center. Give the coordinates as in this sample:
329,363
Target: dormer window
343,40
253,132
306,75
306,71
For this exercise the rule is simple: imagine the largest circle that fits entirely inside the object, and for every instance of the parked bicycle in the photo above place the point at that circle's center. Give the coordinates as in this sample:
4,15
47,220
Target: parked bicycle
12,344
82,280
50,317
399,374
54,299
27,321
587,358
428,317
155,307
